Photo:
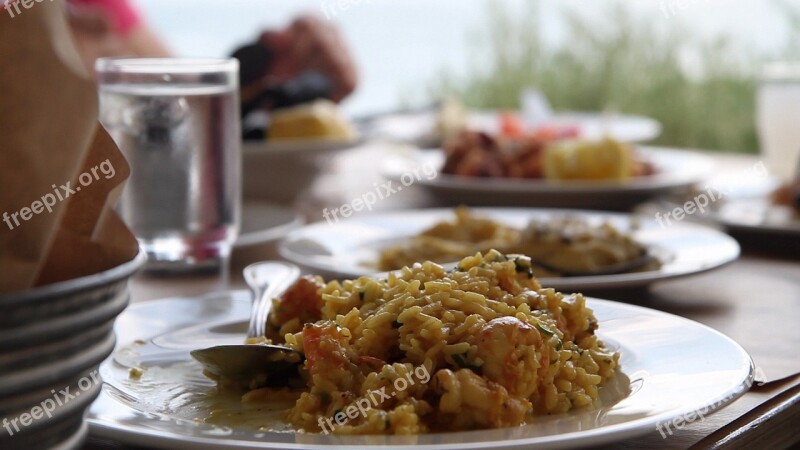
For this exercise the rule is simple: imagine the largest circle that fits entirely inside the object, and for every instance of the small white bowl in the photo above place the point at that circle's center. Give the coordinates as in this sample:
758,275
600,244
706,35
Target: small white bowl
281,171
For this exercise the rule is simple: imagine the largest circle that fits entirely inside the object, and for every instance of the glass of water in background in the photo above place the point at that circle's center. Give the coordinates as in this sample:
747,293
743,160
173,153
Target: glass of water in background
778,118
177,123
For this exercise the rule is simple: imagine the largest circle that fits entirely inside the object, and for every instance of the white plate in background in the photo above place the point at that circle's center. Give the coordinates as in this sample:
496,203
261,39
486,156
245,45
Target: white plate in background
741,204
676,170
758,216
346,248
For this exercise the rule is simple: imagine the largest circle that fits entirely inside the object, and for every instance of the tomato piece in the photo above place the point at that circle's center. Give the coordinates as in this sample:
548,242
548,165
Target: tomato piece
511,125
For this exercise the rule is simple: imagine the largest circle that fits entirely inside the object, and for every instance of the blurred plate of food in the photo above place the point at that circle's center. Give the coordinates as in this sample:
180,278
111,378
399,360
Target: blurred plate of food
776,211
744,205
570,249
294,150
759,216
429,127
523,169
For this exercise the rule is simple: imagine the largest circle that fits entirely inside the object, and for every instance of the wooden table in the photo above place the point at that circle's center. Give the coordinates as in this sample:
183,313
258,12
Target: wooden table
755,301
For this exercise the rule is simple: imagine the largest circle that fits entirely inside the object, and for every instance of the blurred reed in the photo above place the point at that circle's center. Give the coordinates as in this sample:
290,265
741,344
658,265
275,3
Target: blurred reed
702,91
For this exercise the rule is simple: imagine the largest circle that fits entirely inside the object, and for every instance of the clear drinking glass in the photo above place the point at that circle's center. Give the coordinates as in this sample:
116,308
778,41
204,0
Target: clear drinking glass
177,123
777,116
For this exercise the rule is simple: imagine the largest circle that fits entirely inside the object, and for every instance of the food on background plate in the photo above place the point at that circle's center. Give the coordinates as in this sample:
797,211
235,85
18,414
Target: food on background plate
788,194
425,349
584,160
548,153
512,126
451,118
559,245
449,241
318,120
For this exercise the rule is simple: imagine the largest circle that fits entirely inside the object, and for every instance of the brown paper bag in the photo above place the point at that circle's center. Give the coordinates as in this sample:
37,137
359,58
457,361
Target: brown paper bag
53,228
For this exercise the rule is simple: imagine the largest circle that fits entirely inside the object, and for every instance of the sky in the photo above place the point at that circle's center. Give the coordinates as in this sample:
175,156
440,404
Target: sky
401,45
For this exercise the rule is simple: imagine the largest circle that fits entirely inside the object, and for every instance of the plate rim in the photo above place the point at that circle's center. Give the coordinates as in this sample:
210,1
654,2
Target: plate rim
300,147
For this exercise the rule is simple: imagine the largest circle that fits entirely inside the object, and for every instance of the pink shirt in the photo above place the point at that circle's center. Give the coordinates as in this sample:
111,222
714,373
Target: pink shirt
122,14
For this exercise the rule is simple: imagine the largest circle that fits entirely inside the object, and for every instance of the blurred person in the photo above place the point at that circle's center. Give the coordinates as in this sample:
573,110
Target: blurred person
103,28
309,44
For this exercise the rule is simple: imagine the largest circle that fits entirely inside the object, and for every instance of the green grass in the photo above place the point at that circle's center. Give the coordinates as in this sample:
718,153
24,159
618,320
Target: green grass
631,66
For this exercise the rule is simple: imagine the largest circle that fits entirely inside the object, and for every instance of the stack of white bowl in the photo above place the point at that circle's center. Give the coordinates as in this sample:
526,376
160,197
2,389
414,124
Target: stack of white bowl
52,339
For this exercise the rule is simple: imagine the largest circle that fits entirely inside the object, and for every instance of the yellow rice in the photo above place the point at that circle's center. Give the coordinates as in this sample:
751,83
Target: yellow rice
498,349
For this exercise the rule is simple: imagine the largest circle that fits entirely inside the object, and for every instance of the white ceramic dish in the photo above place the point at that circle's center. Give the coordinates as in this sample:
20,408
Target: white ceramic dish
757,216
676,170
754,216
280,171
346,248
671,367
741,204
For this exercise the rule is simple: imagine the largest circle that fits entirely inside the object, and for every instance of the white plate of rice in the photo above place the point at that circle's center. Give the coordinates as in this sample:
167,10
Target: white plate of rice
350,248
691,374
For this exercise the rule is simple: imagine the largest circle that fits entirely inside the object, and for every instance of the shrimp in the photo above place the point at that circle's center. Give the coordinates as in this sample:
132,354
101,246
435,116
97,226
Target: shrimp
512,352
468,401
325,348
300,304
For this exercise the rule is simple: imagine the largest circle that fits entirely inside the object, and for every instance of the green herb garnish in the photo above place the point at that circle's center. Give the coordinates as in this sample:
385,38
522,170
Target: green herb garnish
545,330
461,360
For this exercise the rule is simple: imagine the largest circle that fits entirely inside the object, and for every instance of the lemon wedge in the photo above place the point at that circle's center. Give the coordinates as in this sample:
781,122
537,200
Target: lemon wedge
606,159
320,119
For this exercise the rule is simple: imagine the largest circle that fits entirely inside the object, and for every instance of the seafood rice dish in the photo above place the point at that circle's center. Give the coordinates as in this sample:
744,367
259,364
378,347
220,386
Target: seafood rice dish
480,346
